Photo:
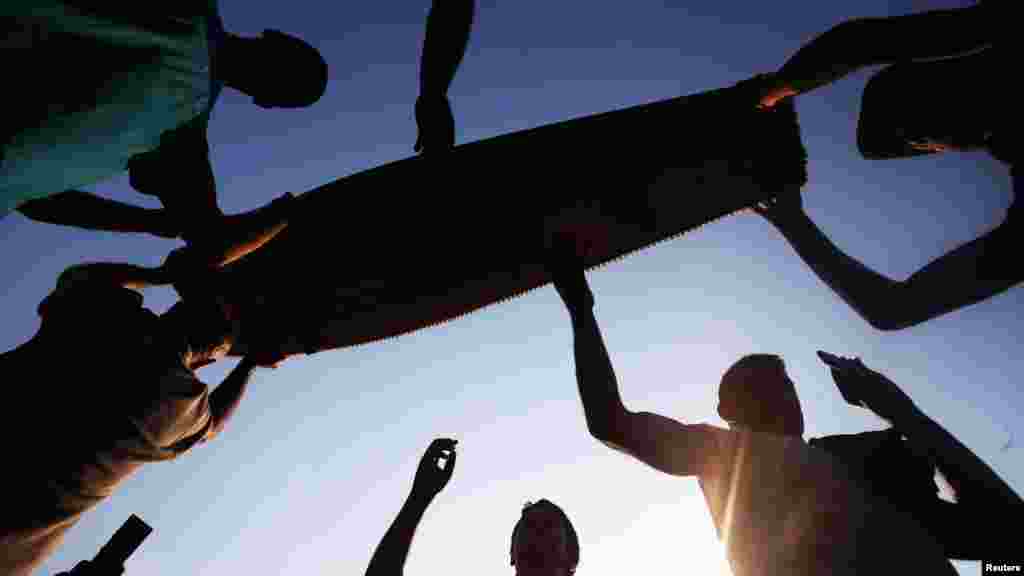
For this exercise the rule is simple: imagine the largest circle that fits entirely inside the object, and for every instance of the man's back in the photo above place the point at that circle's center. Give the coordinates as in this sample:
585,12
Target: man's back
98,392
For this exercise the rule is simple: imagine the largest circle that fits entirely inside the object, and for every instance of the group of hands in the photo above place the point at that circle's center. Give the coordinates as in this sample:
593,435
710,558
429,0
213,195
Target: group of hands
182,266
770,90
436,133
858,384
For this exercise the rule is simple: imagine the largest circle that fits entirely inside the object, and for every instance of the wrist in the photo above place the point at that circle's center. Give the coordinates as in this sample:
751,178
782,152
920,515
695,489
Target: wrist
579,311
788,219
420,497
432,95
158,276
909,417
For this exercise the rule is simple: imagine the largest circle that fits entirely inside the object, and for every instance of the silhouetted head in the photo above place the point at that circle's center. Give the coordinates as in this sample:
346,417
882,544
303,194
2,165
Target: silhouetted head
276,69
206,327
544,543
756,393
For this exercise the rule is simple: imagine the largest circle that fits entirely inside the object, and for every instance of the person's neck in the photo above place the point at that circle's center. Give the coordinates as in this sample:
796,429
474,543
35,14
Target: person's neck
235,61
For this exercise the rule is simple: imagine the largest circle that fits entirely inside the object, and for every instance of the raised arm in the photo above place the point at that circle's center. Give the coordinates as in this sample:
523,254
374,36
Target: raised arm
226,397
969,274
862,42
180,174
659,442
448,26
91,212
980,492
389,557
113,274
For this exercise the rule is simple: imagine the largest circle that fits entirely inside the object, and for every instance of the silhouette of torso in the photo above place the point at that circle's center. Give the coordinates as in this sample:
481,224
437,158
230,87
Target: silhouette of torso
114,81
100,391
783,507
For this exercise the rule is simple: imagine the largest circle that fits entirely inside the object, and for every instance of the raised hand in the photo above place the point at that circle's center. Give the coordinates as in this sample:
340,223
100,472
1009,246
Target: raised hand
569,276
431,475
860,385
435,124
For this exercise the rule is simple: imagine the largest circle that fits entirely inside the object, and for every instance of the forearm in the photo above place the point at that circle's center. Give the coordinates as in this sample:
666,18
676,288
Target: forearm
972,480
389,557
224,400
969,274
448,27
859,43
869,293
85,210
595,376
116,274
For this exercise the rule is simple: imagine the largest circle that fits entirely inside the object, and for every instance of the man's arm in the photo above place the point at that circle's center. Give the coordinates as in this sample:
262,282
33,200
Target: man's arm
226,397
863,42
969,274
980,492
973,481
448,26
389,557
659,442
91,212
180,174
113,274
965,528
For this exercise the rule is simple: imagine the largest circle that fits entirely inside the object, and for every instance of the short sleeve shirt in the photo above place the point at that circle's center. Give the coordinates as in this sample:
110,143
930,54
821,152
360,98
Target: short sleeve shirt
109,391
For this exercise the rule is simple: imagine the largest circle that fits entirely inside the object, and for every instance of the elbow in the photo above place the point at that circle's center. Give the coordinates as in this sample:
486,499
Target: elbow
885,322
892,309
609,429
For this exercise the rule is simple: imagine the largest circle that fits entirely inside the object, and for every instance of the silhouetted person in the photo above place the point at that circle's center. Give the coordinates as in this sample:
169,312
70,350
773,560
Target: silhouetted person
132,88
779,505
965,100
544,542
103,387
947,89
448,27
899,463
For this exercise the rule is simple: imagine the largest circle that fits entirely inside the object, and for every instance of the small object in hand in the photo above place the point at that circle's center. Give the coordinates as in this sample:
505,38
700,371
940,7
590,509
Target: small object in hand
839,366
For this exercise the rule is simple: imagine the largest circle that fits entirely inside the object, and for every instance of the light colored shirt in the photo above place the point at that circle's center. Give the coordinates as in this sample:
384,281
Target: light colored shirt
162,77
109,393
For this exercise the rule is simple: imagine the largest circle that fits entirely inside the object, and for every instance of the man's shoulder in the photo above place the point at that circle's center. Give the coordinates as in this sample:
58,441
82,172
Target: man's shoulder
93,306
859,446
78,294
